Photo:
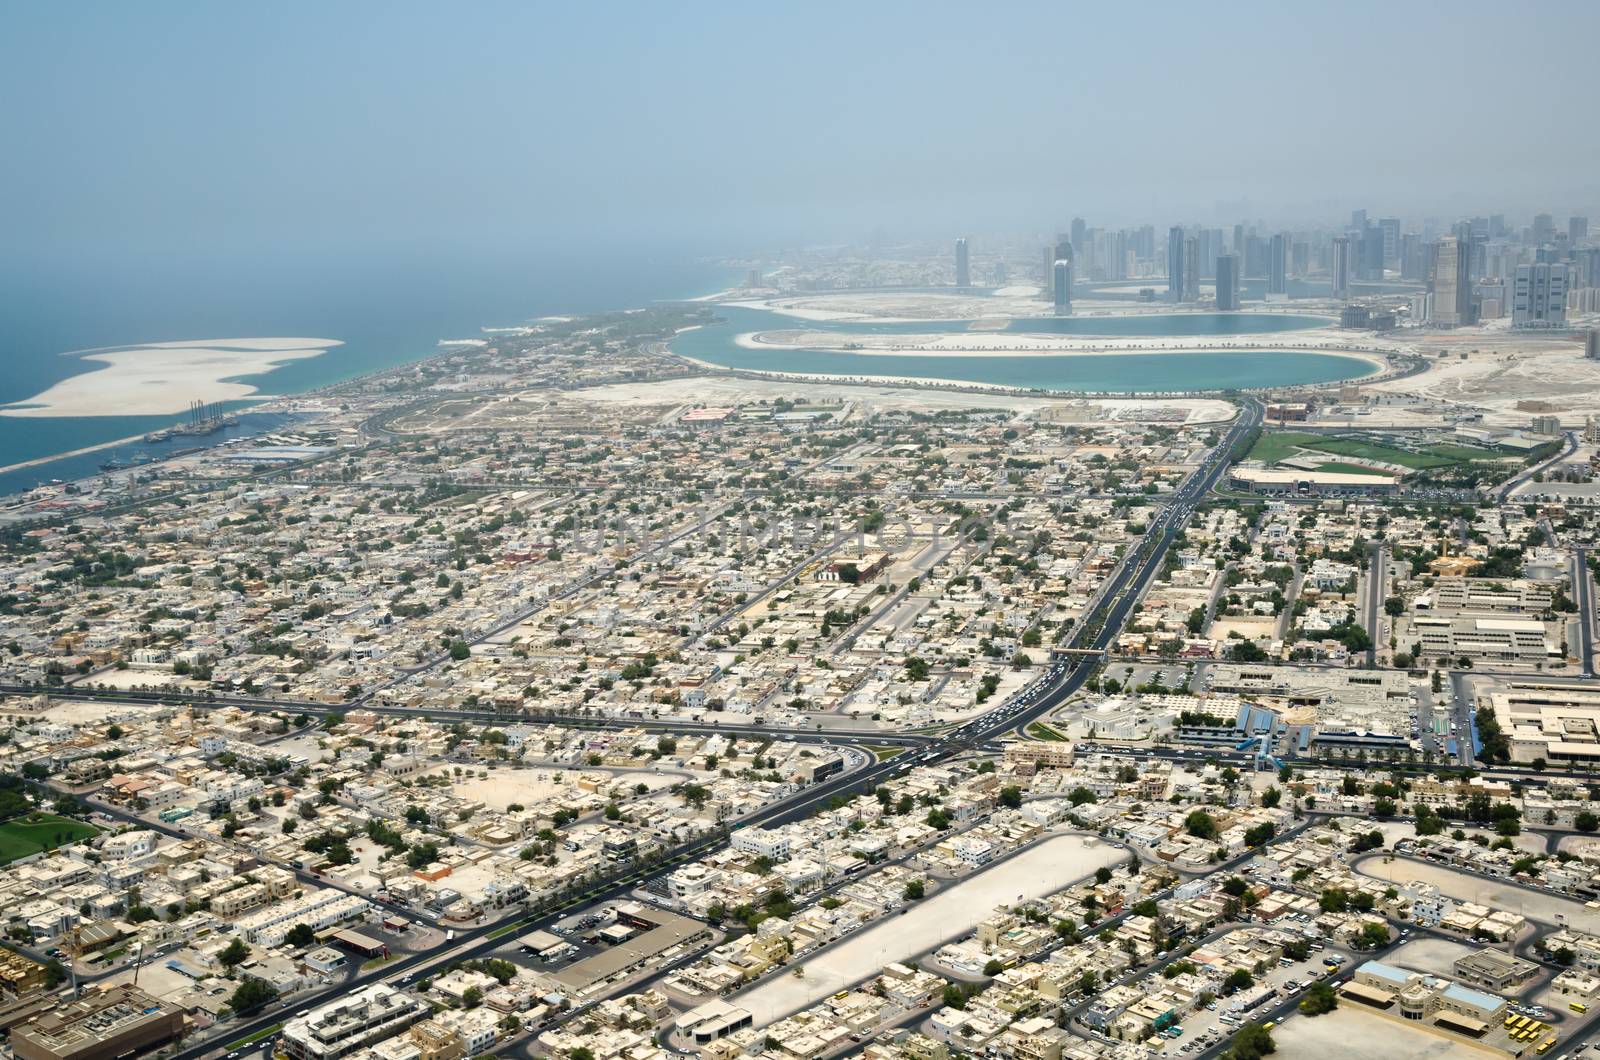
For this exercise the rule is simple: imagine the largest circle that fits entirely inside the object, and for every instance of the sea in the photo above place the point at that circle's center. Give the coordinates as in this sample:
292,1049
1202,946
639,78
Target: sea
1115,374
386,309
394,307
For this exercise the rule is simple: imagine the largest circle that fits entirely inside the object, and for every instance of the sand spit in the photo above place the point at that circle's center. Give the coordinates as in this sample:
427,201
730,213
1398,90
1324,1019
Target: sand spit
163,378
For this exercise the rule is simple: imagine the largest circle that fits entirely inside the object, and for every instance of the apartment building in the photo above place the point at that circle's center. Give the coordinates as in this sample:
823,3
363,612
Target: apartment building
362,1017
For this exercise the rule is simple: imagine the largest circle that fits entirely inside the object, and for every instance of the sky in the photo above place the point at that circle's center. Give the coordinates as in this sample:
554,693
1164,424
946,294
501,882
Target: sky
722,127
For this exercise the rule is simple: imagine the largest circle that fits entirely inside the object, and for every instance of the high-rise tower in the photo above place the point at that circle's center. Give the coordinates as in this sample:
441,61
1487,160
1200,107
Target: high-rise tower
963,269
1341,267
1278,267
1175,263
1452,284
1228,282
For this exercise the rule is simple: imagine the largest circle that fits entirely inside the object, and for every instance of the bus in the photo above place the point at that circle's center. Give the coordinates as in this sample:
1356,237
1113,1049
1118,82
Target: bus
1544,1046
1579,1007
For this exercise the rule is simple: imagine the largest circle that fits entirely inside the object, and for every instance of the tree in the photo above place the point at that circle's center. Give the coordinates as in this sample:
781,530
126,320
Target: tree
1373,936
300,935
1261,834
237,953
251,995
1251,1043
1319,999
1011,796
994,967
1237,980
472,997
459,650
1201,825
914,890
1586,822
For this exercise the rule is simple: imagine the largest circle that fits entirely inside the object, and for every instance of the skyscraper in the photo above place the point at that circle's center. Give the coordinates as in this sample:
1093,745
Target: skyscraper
1341,267
1191,269
1049,282
1411,265
1544,228
1591,344
1390,227
1539,296
1278,267
1577,230
1080,231
1175,263
1228,282
1370,266
963,270
1063,286
1452,287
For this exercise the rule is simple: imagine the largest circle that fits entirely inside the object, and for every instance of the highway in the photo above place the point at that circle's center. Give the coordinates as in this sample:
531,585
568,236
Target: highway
1583,596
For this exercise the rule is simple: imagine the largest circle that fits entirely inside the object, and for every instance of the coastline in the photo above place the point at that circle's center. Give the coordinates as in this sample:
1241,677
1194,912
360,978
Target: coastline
753,340
968,384
165,378
40,461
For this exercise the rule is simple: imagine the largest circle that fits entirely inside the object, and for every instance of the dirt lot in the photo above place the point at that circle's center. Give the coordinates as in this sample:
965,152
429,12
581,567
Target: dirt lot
1349,1034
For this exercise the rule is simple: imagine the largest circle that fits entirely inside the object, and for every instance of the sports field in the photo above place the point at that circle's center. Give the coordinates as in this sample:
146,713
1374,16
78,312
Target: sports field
34,832
1275,446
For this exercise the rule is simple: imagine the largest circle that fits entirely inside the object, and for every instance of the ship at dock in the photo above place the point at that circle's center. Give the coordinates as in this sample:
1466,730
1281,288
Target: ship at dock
204,419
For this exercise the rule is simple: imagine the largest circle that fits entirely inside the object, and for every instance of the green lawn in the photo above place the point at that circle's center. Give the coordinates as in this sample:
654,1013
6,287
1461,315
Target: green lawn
1040,731
1273,446
34,832
1369,451
884,752
1462,452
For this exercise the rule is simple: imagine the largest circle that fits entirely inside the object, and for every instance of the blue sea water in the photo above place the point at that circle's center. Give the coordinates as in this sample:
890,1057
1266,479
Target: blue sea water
386,310
1124,373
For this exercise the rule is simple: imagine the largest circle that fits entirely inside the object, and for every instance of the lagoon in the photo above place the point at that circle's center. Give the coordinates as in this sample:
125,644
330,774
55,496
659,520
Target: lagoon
1121,373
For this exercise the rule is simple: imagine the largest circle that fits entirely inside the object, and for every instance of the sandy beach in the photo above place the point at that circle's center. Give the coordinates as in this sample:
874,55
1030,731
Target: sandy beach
921,382
163,378
1014,345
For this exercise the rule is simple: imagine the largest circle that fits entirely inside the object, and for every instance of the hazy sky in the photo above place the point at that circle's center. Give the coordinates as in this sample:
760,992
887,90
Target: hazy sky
762,124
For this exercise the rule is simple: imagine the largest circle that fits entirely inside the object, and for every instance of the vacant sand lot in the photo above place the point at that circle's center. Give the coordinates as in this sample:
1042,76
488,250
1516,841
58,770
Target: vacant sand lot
1045,868
1534,905
1436,956
1348,1034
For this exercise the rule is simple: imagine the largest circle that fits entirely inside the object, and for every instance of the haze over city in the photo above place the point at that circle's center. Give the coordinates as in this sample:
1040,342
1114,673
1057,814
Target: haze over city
798,532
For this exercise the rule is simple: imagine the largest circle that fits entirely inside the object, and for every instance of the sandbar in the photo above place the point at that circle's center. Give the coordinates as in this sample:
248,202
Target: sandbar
164,378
